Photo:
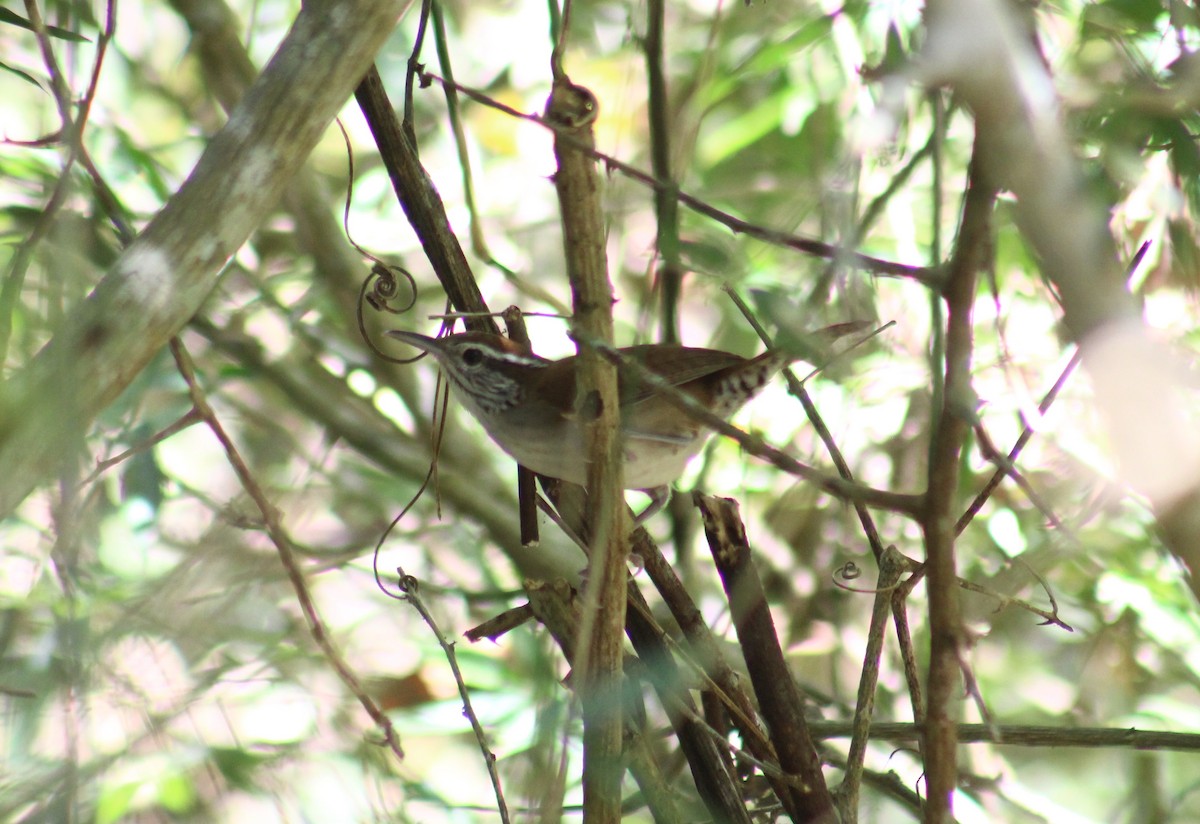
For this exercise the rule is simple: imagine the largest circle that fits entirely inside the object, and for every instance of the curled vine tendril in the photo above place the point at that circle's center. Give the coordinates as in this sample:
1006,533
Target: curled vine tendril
378,289
384,287
382,282
850,571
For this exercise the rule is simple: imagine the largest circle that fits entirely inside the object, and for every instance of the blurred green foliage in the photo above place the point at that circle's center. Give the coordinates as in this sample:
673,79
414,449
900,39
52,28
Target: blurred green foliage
154,663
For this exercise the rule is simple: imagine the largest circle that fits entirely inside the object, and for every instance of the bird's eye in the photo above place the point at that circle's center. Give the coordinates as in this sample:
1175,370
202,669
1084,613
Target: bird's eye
472,356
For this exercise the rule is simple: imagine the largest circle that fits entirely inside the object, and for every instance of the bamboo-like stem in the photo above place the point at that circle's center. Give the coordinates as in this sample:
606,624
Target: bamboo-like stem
573,109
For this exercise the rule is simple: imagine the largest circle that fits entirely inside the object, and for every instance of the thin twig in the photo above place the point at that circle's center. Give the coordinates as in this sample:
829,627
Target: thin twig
273,522
1025,735
891,567
187,419
797,389
904,642
666,204
932,277
1022,440
71,130
989,451
414,70
410,587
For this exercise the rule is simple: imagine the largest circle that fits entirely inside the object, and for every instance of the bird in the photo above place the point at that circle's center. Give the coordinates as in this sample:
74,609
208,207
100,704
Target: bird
526,403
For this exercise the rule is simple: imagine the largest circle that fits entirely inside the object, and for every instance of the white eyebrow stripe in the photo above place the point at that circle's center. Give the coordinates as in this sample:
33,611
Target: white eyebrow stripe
522,360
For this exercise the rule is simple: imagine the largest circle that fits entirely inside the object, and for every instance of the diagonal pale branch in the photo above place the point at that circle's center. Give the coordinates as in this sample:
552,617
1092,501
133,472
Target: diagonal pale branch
273,521
979,47
163,277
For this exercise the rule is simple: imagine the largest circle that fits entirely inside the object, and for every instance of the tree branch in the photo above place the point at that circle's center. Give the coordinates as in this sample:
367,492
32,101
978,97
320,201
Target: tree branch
573,110
972,252
167,272
980,48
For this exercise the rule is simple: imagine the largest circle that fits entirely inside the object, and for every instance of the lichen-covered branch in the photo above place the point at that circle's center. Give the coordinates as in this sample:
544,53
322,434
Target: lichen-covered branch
167,272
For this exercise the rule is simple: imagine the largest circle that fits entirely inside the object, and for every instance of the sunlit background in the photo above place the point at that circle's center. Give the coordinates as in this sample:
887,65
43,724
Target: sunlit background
154,662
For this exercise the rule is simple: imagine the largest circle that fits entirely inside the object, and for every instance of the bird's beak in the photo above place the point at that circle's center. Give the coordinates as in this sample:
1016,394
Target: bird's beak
422,342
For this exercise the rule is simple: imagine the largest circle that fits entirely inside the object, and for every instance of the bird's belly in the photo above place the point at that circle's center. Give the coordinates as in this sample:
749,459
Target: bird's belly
559,451
658,466
554,457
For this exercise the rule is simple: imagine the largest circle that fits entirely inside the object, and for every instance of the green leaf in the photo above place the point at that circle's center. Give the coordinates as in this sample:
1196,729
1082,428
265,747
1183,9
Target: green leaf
114,802
1186,253
145,162
237,766
21,73
176,793
1141,15
14,19
712,255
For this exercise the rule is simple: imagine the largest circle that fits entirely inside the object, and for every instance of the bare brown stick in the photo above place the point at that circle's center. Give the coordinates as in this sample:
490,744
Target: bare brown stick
1022,440
187,419
908,655
950,429
779,697
498,625
514,323
273,522
1049,617
421,203
988,449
